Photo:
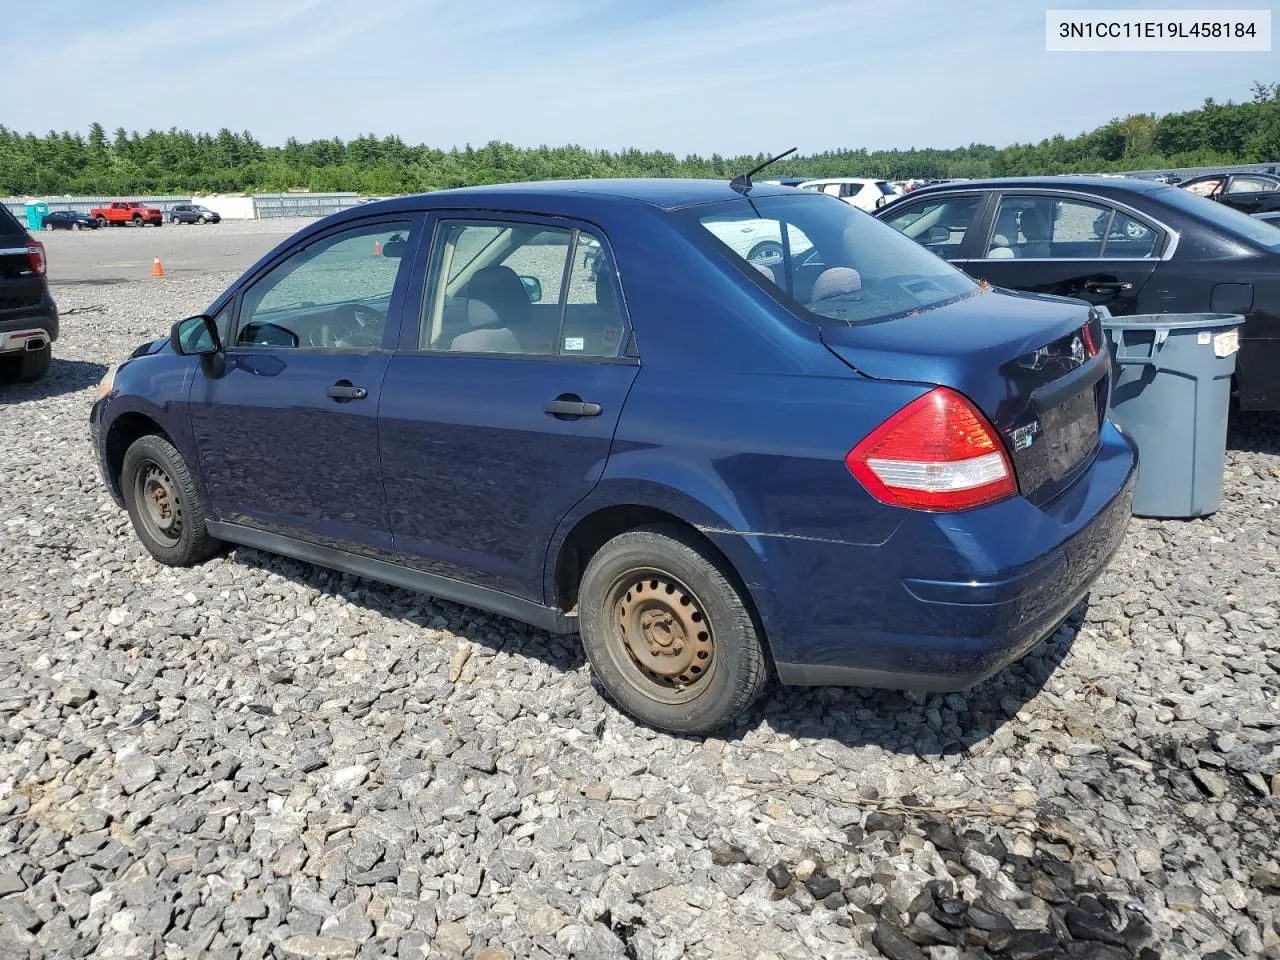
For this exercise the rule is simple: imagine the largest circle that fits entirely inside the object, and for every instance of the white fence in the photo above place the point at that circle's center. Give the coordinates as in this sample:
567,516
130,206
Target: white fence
257,206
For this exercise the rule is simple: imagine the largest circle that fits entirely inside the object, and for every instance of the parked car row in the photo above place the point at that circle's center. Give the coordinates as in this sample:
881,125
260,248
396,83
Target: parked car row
863,447
128,213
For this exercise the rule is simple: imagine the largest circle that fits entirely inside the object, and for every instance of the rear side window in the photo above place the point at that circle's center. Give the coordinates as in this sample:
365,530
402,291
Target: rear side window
835,263
885,188
520,289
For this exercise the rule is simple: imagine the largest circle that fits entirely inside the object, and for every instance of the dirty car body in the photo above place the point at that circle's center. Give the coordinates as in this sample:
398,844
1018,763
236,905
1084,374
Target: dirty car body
760,413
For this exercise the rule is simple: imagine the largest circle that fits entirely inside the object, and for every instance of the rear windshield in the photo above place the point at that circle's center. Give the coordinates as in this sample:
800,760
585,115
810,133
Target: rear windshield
1221,216
833,263
885,188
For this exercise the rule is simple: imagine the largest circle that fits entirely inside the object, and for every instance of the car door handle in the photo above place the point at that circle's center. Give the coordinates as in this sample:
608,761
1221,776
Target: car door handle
345,390
1107,286
567,405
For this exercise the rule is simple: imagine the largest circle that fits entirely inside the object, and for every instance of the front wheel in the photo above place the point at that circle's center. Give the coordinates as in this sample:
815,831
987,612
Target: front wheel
48,225
164,503
668,633
137,221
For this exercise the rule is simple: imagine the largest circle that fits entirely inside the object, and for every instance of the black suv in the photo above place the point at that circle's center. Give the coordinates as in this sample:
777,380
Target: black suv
28,315
192,213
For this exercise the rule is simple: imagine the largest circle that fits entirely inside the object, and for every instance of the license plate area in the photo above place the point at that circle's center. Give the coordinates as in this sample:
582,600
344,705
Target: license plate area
1070,431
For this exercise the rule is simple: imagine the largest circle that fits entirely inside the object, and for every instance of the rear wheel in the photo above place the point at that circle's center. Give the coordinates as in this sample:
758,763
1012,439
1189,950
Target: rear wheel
25,367
668,633
48,225
164,504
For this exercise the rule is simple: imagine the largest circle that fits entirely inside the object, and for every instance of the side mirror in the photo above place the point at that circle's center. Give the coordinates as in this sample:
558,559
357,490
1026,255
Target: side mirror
533,287
195,337
938,234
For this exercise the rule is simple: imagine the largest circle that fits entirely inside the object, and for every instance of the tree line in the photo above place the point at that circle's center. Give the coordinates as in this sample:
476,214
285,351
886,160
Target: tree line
181,162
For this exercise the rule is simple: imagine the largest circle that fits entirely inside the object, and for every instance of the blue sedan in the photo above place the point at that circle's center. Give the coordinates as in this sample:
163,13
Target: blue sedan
580,404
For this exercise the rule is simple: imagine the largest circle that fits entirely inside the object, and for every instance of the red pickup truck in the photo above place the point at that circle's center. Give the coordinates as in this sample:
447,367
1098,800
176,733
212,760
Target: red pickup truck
118,213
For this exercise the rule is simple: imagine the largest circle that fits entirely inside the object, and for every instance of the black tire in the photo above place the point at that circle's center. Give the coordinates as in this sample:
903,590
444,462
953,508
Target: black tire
25,367
102,221
659,581
164,504
767,252
137,221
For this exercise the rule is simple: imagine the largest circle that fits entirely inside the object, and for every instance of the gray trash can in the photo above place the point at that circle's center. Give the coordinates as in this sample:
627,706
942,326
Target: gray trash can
1171,391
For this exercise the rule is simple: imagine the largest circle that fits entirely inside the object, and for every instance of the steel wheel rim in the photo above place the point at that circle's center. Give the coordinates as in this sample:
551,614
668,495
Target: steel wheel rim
660,639
159,508
768,256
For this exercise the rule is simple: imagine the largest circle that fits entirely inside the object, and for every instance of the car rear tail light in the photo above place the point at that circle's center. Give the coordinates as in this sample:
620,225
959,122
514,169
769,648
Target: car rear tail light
35,253
937,453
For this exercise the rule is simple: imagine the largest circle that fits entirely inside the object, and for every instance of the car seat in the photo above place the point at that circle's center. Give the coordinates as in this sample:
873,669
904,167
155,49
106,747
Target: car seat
501,317
1004,240
1035,230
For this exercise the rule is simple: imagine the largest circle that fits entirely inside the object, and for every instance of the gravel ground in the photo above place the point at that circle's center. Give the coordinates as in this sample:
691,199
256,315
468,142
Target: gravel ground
257,758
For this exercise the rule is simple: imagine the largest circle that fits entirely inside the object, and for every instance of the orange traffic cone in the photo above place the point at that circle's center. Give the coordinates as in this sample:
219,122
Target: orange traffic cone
157,270
377,248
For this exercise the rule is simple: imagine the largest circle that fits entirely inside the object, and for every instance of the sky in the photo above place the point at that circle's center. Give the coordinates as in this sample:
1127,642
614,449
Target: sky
699,76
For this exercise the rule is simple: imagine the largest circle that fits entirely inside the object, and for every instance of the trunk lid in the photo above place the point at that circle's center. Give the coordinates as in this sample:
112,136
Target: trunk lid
1036,365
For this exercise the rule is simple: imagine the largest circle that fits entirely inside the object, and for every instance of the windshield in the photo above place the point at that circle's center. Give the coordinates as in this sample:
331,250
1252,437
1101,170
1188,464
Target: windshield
833,263
1220,215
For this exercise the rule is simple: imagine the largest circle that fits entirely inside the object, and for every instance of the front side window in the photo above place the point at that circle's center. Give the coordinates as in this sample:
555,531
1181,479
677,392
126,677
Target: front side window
333,294
939,225
1204,188
851,269
520,289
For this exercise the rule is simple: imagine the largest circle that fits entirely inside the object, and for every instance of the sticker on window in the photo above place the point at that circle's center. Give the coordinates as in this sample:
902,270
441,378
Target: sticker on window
574,343
610,334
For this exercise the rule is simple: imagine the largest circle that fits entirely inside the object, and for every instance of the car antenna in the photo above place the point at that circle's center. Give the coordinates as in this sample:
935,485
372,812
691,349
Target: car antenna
742,182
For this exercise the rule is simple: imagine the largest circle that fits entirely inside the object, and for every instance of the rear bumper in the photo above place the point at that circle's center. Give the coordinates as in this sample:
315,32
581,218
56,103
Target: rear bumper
1007,576
21,327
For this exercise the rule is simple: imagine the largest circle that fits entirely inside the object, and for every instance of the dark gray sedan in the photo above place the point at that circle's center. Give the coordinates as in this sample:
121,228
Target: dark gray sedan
1133,246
